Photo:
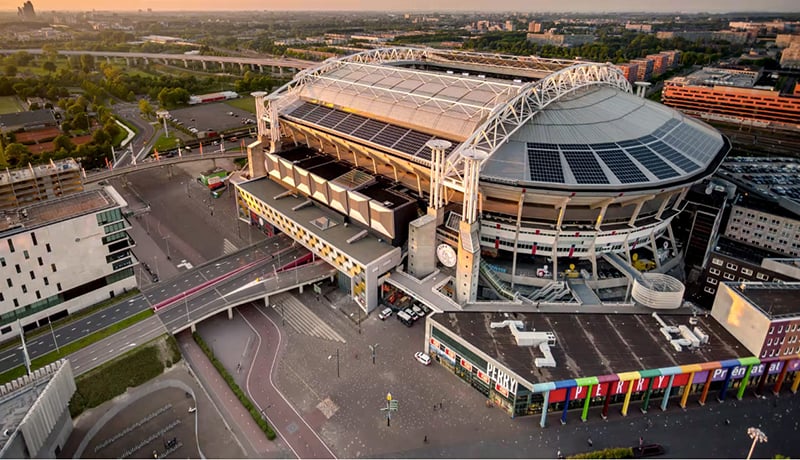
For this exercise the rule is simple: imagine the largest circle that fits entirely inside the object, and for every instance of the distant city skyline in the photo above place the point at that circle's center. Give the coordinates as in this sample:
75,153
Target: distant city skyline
544,6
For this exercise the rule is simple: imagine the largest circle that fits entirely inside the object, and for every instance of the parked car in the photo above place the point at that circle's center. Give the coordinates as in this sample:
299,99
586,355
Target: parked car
411,313
387,312
422,358
418,311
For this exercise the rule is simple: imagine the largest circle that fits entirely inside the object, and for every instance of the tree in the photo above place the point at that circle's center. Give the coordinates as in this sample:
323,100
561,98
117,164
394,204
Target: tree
63,142
49,66
11,70
17,155
145,107
87,62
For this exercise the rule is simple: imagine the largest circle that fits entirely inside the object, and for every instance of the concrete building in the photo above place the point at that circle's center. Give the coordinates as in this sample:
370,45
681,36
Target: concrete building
42,279
629,70
734,95
35,420
734,261
786,40
660,63
23,186
764,317
707,35
535,27
519,362
646,28
790,59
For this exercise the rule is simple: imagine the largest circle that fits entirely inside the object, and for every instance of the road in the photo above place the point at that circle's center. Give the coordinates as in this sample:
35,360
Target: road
146,132
159,292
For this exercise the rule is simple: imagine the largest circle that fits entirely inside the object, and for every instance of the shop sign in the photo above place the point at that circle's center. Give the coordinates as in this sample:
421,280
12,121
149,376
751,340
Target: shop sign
435,343
501,378
466,365
450,353
770,368
500,389
794,365
482,375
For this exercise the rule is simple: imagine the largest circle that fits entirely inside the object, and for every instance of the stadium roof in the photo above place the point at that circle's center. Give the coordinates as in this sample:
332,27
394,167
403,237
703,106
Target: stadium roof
578,127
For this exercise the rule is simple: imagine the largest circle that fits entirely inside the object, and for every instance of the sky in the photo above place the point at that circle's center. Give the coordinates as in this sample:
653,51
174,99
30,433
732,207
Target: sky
418,5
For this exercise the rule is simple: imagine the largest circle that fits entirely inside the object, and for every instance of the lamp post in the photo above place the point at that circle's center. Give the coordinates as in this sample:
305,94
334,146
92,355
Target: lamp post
279,254
50,322
337,362
166,239
373,348
757,436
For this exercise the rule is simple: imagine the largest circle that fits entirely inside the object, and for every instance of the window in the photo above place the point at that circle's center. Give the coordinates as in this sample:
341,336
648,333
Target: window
10,284
16,303
24,289
780,329
769,342
47,246
709,290
46,281
38,295
53,267
762,276
58,286
731,266
747,271
33,238
771,330
2,261
713,271
10,245
26,254
712,281
19,270
728,276
41,262
1,297
716,261
33,275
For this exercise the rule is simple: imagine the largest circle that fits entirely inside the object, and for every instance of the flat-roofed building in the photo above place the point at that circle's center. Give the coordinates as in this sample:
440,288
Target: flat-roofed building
19,187
31,119
34,412
764,317
660,63
629,70
734,95
644,69
62,255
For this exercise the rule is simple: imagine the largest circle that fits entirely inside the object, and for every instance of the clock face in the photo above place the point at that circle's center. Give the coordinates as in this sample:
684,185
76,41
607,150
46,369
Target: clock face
446,255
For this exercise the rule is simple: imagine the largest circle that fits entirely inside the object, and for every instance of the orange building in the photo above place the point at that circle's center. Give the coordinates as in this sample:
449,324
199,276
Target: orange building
732,95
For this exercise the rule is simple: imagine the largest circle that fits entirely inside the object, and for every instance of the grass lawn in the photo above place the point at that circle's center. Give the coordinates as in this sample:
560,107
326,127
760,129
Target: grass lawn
166,143
74,346
9,104
245,103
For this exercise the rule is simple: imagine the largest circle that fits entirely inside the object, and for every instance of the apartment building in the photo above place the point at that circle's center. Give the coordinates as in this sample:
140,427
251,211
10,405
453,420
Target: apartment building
20,187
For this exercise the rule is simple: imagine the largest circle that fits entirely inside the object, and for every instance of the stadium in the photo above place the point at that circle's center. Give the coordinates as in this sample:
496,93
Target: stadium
550,179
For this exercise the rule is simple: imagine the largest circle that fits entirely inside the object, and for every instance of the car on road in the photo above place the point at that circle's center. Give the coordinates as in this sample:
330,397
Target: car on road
387,312
422,358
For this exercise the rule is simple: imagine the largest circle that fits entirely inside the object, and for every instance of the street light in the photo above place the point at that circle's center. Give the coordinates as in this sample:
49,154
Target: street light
337,362
372,348
166,239
757,436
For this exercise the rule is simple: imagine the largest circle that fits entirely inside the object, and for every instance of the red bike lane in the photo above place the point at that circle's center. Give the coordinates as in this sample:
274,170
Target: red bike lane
287,422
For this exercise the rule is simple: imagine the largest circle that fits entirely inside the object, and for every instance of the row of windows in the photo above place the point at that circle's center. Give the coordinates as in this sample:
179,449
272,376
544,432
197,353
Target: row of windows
789,328
777,352
24,253
732,266
106,217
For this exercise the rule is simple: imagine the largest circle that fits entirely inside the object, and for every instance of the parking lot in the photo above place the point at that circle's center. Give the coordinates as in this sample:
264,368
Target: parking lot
217,117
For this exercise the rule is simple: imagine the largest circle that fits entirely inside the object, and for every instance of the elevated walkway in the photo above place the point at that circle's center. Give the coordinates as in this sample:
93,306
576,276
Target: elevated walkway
582,292
623,266
499,286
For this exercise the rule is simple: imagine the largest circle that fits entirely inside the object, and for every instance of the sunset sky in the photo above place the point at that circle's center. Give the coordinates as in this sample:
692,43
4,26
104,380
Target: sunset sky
411,5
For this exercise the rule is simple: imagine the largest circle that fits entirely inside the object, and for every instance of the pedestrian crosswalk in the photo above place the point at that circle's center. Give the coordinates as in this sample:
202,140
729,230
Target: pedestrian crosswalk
302,319
228,247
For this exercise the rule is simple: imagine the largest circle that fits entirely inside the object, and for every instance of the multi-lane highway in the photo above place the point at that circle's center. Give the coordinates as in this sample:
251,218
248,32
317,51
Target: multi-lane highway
151,296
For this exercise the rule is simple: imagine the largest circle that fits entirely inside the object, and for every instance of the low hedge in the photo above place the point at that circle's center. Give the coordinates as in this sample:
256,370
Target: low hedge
235,388
613,452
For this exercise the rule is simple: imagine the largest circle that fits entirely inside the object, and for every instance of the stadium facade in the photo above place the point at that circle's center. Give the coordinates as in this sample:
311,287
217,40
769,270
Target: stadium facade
538,173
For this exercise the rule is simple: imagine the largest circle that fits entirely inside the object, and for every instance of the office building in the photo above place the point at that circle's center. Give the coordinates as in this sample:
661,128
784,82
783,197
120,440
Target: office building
23,186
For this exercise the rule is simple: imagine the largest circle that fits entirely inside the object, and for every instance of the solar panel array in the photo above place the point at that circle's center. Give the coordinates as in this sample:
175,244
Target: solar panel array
672,150
404,140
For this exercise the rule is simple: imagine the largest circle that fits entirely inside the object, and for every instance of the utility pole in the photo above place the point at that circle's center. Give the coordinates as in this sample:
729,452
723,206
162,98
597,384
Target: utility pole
50,322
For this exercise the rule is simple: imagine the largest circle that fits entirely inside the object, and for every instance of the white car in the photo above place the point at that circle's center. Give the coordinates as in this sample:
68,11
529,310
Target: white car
387,312
422,358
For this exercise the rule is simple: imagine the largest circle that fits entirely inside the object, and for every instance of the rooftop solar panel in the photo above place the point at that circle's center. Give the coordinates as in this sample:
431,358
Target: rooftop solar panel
389,135
316,115
618,162
412,142
653,163
677,158
333,118
585,167
302,110
350,124
629,143
369,129
545,165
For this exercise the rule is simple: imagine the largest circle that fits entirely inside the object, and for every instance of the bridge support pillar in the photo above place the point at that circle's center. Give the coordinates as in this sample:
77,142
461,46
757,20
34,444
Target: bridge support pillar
266,301
230,313
300,288
146,61
193,328
205,67
108,60
280,71
127,62
186,63
260,68
241,67
221,65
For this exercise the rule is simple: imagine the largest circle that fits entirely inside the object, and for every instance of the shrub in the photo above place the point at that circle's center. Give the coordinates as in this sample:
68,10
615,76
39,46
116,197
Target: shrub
235,388
613,452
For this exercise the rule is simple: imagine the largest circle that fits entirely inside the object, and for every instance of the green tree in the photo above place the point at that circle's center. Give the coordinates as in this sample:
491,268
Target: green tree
10,70
87,62
145,107
17,155
63,142
49,66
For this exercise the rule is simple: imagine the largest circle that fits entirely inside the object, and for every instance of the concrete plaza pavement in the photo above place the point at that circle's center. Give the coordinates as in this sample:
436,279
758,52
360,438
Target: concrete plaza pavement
345,409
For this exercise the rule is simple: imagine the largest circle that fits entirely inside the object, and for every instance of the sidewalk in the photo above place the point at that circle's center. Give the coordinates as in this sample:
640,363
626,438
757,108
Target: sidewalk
254,440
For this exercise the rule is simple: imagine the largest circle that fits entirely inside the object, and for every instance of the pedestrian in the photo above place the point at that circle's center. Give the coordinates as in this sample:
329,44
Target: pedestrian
441,404
426,439
434,407
641,443
559,454
589,441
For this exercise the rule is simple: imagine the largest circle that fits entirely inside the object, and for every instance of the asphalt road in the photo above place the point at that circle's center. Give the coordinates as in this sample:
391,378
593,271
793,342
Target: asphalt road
151,296
130,112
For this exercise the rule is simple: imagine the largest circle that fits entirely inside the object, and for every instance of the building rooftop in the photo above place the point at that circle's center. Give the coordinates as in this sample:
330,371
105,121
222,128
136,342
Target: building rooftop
18,120
715,76
776,179
46,212
27,173
590,344
364,250
743,251
775,300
